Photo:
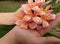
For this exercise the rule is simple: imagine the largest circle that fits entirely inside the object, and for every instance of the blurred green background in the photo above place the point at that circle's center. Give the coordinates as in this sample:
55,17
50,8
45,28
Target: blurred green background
12,6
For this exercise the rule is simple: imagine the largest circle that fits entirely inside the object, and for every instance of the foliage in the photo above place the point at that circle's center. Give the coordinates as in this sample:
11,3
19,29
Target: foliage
9,6
4,29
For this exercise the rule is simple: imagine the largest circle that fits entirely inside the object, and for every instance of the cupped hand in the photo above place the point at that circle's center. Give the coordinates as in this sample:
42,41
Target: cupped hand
33,37
42,30
29,36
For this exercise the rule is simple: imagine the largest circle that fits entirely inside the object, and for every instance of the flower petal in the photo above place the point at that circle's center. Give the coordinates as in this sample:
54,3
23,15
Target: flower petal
22,24
38,10
37,20
30,2
39,1
49,11
35,8
17,18
27,18
53,16
19,15
17,22
32,25
49,17
42,0
45,24
39,27
47,8
27,9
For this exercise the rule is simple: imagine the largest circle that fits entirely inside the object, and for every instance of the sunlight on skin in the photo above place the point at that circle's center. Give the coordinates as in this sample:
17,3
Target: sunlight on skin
6,18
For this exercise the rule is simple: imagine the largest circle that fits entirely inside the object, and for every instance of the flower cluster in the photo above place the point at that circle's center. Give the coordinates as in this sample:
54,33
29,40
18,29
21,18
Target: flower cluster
32,14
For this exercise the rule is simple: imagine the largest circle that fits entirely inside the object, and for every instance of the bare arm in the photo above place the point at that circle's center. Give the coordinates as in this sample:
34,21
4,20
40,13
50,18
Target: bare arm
6,18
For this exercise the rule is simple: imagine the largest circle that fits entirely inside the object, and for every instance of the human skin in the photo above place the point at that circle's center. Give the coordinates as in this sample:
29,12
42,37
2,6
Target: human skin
22,36
7,18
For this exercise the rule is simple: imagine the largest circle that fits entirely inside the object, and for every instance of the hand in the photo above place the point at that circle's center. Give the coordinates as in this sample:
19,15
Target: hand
33,37
52,23
38,33
21,36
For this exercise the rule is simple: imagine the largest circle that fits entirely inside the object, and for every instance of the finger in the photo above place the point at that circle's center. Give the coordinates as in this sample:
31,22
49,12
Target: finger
53,40
52,24
47,40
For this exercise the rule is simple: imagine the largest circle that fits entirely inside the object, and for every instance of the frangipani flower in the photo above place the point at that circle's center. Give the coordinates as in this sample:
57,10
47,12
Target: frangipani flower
32,15
33,3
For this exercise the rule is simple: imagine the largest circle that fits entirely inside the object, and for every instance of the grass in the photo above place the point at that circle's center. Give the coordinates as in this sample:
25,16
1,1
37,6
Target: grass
13,6
4,29
9,6
56,8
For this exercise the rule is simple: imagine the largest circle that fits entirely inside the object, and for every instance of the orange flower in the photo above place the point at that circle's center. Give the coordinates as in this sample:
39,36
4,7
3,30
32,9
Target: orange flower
32,25
22,24
33,3
32,15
